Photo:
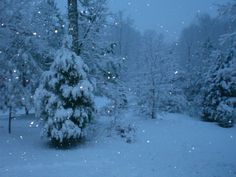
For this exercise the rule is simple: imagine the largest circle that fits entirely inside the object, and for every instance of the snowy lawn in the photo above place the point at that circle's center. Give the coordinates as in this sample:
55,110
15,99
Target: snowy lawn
172,146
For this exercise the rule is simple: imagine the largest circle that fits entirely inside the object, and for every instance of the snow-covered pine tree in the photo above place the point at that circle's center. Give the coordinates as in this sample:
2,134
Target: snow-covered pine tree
64,100
219,101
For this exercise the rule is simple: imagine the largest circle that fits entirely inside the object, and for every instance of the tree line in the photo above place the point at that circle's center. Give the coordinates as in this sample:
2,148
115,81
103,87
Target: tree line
92,51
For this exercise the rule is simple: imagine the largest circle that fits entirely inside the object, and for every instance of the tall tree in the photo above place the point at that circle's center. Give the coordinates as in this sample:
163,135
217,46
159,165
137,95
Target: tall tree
150,75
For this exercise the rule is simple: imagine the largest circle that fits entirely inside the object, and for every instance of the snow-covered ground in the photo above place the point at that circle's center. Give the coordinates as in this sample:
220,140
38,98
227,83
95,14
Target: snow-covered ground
174,145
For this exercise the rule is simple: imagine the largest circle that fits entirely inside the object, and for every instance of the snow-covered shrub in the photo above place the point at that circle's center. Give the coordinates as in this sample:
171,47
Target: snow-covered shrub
64,100
172,100
126,132
226,113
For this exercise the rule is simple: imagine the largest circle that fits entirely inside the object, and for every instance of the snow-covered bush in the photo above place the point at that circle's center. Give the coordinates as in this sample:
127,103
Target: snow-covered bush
173,102
127,132
226,113
64,100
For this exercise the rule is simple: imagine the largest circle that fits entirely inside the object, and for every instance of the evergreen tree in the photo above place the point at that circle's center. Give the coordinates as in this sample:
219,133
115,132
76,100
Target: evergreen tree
64,100
219,101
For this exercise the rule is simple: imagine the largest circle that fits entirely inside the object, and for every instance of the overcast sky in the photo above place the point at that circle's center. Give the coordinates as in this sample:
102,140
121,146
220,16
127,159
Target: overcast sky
167,16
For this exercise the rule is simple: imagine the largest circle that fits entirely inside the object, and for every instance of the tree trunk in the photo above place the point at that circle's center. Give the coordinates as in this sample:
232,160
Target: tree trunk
26,111
9,119
120,33
73,25
153,114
